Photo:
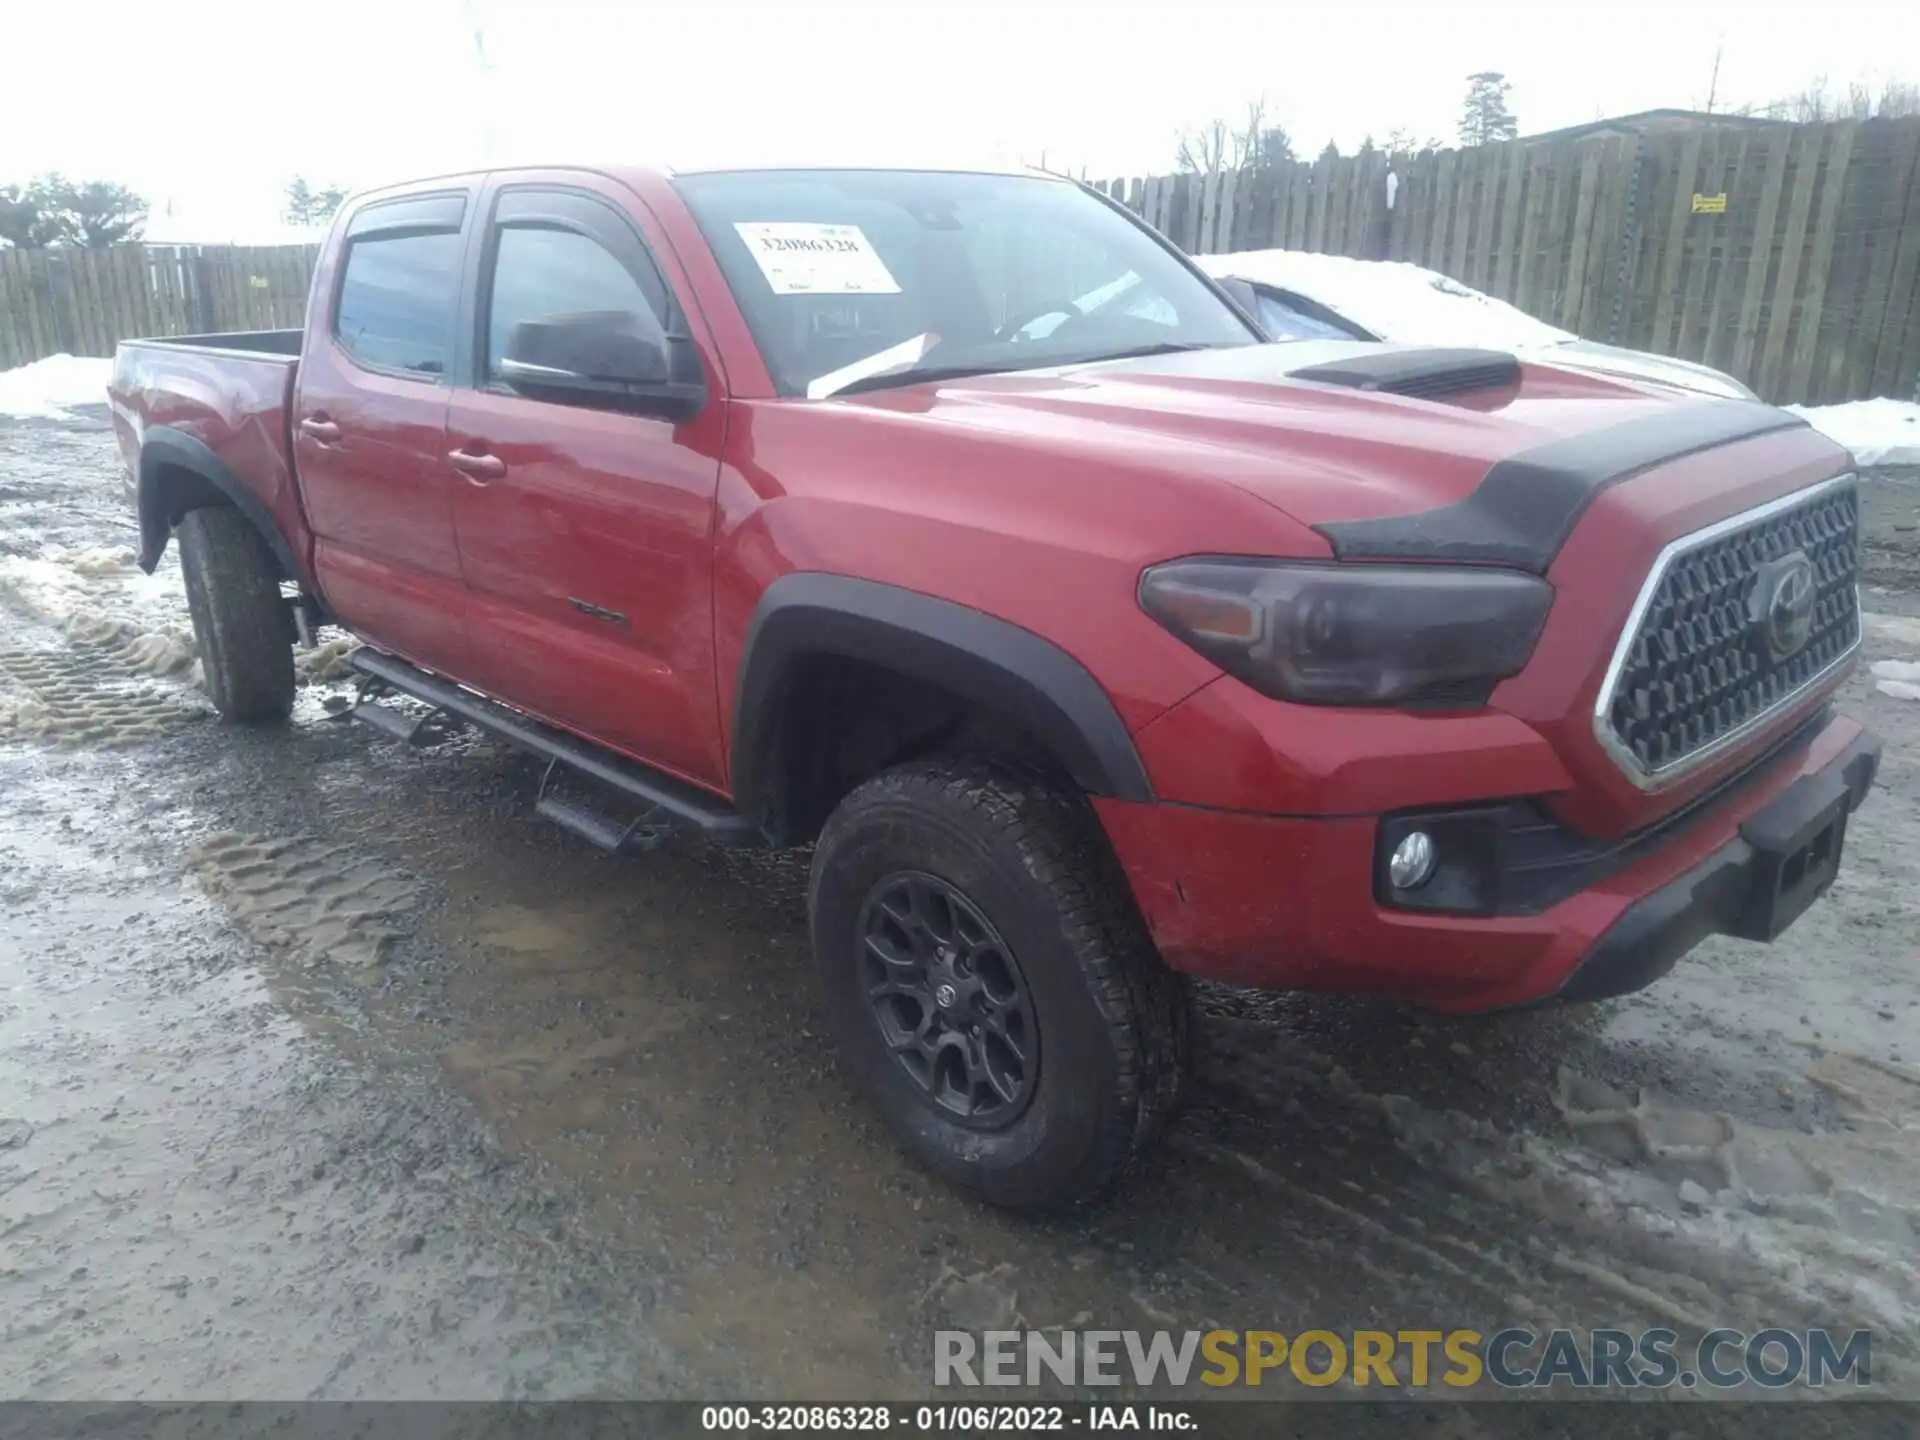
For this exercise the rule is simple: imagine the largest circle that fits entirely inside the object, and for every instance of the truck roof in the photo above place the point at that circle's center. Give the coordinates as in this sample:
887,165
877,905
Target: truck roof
950,167
626,169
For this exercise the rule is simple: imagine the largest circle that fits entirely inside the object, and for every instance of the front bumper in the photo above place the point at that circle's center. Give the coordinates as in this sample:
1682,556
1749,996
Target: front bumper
1783,859
1288,902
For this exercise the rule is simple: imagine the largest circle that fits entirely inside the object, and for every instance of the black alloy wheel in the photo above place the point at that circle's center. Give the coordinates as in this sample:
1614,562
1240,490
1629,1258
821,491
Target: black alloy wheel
952,1005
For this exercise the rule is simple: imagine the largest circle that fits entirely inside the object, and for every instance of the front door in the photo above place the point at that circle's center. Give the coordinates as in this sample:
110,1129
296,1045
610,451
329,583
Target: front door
370,430
586,530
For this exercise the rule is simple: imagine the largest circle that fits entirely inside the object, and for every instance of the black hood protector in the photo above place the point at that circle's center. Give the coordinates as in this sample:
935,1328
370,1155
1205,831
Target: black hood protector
1525,506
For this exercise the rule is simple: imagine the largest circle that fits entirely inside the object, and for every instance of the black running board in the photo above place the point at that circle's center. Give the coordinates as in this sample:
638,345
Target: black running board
665,799
594,825
418,730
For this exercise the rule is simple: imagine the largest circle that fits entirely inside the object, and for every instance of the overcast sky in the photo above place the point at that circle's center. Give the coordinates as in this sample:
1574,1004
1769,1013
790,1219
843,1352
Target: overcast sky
208,107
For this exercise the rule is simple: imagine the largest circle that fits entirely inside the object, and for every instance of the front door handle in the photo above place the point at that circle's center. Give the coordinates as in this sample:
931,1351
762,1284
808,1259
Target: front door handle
478,468
318,427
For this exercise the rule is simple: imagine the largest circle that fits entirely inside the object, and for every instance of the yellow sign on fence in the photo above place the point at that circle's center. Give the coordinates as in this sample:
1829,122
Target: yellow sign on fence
1710,204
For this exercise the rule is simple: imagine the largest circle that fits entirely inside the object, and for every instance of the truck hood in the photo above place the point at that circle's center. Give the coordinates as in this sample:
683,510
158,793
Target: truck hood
1327,455
1665,370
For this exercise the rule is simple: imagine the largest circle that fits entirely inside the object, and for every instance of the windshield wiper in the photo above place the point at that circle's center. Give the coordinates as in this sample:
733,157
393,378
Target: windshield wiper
919,374
1141,352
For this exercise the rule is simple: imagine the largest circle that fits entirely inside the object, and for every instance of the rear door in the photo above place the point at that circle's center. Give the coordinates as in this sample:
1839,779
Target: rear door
370,427
586,530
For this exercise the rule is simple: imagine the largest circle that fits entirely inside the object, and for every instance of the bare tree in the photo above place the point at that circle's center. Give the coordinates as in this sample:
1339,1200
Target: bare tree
1897,98
1203,150
1262,144
1402,141
1256,144
1816,101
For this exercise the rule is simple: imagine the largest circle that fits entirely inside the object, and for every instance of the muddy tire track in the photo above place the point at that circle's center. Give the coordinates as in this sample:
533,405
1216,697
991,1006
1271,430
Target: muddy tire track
327,903
63,697
145,652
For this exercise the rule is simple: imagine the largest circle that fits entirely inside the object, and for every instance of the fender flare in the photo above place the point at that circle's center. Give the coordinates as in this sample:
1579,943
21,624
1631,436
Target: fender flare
164,448
1026,678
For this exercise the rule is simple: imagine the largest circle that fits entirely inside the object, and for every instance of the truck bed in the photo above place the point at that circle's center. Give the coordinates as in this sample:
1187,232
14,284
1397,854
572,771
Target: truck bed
229,394
285,343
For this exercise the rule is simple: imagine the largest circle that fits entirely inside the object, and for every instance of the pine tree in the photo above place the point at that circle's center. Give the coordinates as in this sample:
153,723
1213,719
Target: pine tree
299,201
1484,117
54,210
20,216
98,213
308,206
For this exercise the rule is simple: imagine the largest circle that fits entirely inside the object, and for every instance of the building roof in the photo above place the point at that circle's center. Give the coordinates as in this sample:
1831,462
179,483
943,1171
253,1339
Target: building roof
1644,120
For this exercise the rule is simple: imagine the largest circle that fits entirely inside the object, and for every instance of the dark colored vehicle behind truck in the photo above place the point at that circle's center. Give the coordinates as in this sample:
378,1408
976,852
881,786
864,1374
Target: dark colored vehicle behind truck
955,524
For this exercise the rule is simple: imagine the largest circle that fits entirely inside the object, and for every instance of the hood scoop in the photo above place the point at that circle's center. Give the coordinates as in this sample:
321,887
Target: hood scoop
1419,374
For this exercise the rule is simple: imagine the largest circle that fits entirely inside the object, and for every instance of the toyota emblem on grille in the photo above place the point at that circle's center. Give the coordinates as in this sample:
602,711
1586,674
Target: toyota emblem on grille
1783,603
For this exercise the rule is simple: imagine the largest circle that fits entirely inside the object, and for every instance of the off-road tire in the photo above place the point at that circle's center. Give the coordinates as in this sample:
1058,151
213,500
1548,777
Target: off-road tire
239,619
1112,1019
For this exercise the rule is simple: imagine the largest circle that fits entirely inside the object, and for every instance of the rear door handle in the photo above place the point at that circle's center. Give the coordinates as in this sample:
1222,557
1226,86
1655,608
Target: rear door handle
318,427
598,612
478,468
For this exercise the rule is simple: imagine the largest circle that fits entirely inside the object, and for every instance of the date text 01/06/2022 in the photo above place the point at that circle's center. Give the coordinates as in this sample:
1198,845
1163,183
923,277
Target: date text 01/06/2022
948,1419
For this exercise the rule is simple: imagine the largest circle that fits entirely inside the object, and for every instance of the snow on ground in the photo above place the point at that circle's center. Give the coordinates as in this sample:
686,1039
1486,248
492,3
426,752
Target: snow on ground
47,389
1397,301
1898,678
1878,432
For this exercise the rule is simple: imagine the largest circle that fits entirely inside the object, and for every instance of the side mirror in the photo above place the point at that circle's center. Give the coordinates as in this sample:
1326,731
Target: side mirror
605,357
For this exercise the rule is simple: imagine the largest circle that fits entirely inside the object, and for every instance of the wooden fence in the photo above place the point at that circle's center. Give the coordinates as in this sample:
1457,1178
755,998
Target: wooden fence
1787,255
83,302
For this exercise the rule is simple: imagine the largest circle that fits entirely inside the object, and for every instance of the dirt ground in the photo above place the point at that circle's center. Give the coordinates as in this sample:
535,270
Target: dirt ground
328,1070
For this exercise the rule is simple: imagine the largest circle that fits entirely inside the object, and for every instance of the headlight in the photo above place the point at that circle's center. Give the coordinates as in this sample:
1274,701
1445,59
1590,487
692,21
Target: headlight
1326,634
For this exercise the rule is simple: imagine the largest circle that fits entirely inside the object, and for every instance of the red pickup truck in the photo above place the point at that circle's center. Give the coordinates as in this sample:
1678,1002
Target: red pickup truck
955,524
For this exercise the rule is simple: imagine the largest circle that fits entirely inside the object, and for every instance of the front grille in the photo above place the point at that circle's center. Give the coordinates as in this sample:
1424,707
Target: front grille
1714,644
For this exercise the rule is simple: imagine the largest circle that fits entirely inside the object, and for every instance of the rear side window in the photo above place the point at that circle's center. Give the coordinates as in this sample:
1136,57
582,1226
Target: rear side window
539,273
397,301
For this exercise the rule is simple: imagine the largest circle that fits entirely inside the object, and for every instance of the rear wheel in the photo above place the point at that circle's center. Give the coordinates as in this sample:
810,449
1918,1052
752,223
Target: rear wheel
990,984
239,618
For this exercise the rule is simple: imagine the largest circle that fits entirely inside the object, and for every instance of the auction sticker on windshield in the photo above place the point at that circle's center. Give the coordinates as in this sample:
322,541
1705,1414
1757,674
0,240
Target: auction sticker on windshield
806,259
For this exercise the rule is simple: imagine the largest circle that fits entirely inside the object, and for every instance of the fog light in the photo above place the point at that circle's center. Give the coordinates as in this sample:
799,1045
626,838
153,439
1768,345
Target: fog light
1412,861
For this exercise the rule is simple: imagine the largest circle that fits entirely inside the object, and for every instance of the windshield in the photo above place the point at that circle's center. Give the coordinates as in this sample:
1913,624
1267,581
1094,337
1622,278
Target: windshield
858,278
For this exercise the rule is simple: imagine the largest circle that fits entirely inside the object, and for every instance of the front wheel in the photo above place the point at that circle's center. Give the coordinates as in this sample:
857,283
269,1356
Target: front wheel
240,621
991,986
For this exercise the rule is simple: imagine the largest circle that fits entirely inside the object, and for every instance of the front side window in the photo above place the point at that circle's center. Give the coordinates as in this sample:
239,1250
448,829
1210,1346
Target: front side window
859,278
1288,319
541,273
397,299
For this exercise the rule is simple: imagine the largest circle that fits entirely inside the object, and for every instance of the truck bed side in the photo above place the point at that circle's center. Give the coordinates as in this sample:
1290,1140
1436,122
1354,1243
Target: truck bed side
203,420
